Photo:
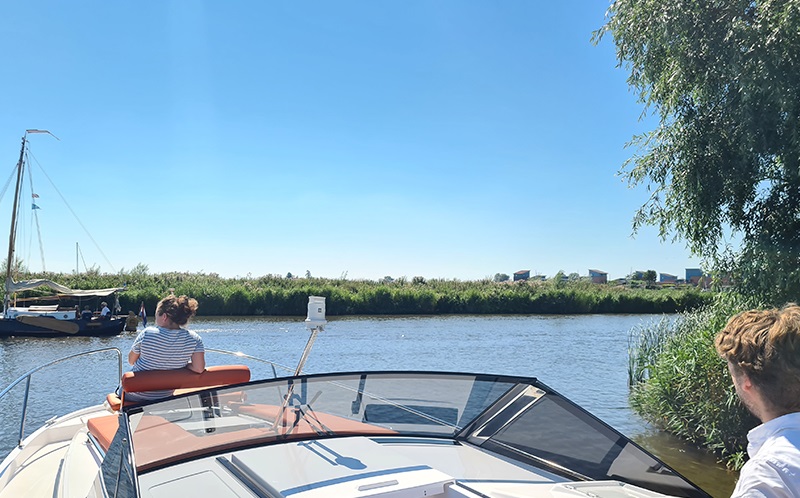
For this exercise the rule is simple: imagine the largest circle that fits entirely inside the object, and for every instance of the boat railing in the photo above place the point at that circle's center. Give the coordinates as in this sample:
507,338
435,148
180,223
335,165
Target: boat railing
27,378
239,354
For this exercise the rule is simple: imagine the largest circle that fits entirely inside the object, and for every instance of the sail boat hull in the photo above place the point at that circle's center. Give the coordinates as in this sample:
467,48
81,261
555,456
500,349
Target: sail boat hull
44,326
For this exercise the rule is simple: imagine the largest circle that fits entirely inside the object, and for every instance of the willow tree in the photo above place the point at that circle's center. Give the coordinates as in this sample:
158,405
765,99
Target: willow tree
723,79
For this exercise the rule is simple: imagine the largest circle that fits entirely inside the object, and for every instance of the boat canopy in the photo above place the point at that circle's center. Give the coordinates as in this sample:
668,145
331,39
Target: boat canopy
24,285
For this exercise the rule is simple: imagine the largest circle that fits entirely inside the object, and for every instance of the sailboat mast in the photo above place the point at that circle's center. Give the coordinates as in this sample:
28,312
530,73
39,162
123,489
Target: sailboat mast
13,232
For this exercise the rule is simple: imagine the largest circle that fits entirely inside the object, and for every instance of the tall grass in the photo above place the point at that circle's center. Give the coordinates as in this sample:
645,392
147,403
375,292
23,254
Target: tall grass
679,383
275,295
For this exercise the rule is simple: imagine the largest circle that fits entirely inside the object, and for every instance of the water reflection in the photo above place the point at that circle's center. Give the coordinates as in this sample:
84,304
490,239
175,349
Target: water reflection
697,465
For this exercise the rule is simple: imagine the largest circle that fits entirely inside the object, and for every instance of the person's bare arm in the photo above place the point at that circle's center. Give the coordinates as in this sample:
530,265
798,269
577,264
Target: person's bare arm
132,357
198,363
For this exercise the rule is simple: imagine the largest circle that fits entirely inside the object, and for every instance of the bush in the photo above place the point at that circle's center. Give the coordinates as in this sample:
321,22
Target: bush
679,383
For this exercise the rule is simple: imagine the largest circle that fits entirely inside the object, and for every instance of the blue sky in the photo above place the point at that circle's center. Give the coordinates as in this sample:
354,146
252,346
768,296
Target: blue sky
447,139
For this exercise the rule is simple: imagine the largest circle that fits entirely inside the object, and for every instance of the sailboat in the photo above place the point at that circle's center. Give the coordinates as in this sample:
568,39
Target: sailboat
51,320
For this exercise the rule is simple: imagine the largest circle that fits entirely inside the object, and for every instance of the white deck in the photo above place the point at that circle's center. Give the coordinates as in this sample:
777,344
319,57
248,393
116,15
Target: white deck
60,462
56,461
371,467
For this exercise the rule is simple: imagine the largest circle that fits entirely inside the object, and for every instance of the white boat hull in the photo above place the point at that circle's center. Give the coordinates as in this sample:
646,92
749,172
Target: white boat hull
57,460
60,461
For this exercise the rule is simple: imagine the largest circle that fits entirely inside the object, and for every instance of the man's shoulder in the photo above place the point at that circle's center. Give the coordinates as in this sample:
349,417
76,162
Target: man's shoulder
776,466
759,478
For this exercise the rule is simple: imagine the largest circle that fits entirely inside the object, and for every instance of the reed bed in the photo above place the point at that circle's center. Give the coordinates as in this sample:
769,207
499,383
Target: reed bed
279,296
679,383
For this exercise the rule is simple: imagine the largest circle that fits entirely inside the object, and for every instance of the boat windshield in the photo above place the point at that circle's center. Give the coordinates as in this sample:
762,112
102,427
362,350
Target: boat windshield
519,418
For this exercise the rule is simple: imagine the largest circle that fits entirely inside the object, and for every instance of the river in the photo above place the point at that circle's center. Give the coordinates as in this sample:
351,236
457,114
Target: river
584,357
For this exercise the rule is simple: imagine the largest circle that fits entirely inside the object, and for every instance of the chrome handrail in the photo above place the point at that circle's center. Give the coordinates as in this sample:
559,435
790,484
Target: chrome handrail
239,354
27,378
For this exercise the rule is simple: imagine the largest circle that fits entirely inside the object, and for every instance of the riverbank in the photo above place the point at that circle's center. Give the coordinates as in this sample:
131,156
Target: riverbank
274,295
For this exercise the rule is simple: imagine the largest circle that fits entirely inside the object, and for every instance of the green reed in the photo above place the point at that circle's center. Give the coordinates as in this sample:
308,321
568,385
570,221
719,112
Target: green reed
680,384
276,295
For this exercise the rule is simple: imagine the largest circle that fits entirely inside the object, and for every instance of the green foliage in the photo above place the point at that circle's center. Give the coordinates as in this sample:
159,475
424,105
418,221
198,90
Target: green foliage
559,280
724,79
276,295
17,268
679,383
501,277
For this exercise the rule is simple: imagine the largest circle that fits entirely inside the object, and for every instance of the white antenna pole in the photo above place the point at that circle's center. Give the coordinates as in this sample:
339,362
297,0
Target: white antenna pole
315,321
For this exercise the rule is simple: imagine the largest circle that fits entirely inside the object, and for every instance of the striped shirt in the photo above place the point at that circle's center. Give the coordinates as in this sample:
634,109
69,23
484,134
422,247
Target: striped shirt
163,349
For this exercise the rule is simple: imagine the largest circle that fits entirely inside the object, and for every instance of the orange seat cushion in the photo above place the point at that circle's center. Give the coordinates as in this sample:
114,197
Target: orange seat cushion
113,401
157,441
183,378
103,429
180,381
312,421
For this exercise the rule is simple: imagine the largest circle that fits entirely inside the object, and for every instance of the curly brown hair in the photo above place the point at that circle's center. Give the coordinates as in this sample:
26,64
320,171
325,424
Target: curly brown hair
178,309
765,345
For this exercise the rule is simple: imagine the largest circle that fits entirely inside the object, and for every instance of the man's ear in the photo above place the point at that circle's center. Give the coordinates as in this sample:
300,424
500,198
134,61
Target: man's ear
746,383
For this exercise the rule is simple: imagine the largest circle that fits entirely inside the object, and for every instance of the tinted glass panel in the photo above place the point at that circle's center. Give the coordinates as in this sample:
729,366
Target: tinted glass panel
116,470
555,430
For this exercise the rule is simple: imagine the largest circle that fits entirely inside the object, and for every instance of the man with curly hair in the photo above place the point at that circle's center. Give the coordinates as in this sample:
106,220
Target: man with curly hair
762,348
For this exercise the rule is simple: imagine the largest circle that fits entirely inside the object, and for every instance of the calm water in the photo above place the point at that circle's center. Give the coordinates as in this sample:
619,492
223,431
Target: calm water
583,357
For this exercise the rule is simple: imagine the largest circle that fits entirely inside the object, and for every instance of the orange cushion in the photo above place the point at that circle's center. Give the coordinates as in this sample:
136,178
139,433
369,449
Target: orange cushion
183,378
158,441
103,429
113,401
312,421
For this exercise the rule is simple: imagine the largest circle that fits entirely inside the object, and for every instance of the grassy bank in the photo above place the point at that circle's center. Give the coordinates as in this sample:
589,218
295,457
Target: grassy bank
275,295
679,383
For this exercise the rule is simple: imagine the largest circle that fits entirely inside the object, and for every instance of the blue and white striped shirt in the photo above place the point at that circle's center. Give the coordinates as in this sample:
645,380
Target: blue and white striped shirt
163,349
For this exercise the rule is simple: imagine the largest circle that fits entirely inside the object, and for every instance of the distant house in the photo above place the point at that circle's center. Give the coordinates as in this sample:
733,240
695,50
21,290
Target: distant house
637,275
539,277
598,277
667,278
694,275
725,281
522,275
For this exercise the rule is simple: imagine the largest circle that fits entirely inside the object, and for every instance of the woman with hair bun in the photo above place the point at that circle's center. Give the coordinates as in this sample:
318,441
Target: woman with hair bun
168,346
